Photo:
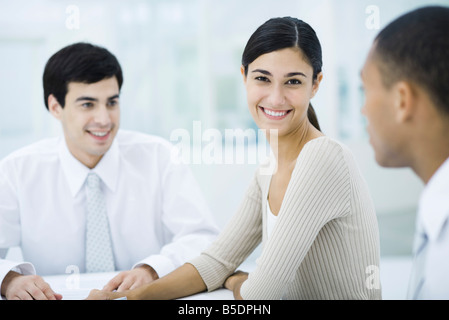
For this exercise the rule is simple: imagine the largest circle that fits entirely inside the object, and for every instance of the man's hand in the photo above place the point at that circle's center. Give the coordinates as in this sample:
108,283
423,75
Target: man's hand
19,287
127,280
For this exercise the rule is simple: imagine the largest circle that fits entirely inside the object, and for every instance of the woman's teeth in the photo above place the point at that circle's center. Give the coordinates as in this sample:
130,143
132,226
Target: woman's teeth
275,113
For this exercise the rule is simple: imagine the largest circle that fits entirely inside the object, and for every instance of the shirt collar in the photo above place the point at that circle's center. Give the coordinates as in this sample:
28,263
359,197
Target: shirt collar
434,205
76,172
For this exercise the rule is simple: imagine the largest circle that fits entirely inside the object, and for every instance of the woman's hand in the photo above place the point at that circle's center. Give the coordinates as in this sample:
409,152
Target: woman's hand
181,282
234,282
104,295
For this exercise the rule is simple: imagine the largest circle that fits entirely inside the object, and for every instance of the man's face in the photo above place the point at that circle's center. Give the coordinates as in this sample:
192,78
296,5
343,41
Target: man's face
90,118
379,109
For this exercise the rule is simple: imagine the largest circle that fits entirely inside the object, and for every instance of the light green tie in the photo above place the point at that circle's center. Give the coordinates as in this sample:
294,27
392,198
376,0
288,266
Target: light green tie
99,255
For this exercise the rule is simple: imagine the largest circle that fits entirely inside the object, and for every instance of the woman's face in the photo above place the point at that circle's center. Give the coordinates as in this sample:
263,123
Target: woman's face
279,87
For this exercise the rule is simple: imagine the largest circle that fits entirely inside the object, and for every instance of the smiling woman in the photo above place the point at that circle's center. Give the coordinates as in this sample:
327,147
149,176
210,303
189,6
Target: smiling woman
277,35
313,214
309,212
280,85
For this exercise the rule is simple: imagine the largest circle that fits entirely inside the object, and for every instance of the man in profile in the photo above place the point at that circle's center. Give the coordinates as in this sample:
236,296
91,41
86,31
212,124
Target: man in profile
406,82
99,199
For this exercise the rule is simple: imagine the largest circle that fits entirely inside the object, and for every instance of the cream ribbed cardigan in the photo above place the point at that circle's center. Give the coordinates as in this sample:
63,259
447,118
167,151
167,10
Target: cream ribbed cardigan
325,241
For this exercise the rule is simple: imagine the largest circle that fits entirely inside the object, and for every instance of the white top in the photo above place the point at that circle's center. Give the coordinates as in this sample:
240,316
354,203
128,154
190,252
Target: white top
271,220
156,211
325,243
433,213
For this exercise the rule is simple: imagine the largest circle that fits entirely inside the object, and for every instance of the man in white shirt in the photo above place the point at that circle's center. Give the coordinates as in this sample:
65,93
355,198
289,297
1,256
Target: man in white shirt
156,214
406,78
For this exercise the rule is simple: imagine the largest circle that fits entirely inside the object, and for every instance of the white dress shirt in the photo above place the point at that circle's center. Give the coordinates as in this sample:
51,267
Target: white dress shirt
433,214
156,211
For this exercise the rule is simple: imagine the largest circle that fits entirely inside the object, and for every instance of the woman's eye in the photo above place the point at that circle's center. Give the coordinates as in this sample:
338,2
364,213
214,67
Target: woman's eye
264,79
294,81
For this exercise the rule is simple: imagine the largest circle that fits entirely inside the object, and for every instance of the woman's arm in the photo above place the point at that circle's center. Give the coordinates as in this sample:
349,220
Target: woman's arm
209,270
183,281
234,282
241,235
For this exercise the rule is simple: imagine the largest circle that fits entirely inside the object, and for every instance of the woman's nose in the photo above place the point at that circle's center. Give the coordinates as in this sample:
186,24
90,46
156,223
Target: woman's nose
277,97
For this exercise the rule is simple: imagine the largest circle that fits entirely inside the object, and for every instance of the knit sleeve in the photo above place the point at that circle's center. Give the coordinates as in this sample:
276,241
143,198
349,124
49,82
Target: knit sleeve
235,243
319,191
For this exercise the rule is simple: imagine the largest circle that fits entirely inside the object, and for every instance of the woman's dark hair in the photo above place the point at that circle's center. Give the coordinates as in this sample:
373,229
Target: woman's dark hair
415,47
79,62
281,33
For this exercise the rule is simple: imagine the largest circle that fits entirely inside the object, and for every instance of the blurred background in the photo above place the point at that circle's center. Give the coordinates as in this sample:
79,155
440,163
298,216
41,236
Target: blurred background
181,63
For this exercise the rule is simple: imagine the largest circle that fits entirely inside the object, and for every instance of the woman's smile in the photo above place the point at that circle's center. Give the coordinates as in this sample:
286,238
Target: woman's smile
275,114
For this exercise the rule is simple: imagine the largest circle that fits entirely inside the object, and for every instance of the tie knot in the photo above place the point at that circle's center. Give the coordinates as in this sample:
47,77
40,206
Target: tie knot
93,180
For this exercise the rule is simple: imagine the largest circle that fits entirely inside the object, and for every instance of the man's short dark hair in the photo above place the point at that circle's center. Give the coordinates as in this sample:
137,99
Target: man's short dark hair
415,48
79,62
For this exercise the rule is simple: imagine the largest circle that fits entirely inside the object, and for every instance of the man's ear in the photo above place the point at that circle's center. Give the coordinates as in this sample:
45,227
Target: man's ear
54,107
404,101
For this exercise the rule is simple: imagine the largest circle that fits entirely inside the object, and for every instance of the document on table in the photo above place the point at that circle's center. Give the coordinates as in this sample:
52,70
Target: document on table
76,286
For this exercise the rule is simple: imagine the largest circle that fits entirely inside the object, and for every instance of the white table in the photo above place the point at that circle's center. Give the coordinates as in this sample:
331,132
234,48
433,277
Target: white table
76,286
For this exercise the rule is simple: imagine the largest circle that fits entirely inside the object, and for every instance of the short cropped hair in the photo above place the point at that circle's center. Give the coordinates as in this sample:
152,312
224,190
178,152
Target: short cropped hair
79,62
415,48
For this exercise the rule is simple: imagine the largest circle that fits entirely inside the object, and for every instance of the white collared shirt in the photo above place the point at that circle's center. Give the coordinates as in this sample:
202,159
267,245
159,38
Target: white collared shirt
433,214
156,211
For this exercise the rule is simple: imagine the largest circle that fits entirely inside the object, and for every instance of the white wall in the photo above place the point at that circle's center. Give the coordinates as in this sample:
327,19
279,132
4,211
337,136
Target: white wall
181,63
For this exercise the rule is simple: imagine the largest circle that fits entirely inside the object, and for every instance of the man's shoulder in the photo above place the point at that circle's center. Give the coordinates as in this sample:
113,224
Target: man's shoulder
31,158
44,147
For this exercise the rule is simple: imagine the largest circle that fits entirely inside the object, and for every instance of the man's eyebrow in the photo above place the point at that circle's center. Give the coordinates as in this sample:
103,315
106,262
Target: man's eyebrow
288,75
83,98
116,96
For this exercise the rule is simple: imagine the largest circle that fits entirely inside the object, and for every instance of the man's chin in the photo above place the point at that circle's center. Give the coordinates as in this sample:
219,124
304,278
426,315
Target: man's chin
388,161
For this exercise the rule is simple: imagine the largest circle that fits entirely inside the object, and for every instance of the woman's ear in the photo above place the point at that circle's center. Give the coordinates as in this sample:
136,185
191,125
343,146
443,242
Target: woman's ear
242,71
54,107
316,84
